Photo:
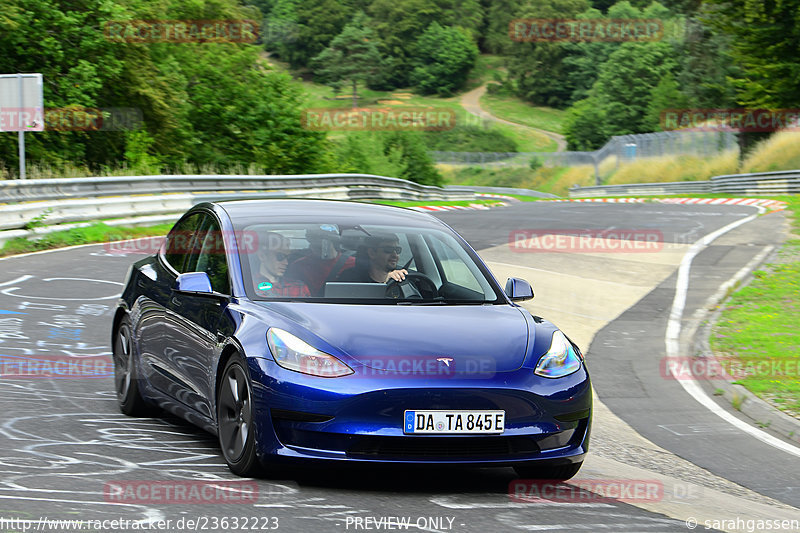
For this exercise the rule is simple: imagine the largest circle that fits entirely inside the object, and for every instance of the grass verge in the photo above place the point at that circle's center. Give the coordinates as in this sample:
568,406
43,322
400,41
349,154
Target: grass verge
757,337
96,233
516,110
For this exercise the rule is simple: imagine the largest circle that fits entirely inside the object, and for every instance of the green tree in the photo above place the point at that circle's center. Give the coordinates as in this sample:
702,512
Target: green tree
536,69
307,29
417,164
498,16
665,95
352,56
765,44
584,126
443,59
707,69
625,82
202,103
399,23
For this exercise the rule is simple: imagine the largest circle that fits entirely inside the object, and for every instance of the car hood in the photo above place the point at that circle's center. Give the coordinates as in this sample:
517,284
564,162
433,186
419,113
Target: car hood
491,338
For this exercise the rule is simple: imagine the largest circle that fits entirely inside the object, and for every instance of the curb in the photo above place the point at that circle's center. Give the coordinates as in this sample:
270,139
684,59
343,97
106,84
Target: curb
471,207
763,414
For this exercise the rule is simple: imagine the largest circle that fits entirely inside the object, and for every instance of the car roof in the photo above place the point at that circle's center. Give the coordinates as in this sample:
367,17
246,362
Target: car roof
299,211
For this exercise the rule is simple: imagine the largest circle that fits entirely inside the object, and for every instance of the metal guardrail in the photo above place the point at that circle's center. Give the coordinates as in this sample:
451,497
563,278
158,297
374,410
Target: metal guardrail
501,190
59,189
57,201
783,182
643,189
755,184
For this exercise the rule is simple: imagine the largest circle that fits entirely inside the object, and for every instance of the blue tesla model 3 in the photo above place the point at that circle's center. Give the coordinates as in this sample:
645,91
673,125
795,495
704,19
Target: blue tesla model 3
301,330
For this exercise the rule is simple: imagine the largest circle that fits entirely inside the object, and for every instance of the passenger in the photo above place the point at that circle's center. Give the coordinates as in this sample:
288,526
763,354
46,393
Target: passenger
324,262
376,261
273,254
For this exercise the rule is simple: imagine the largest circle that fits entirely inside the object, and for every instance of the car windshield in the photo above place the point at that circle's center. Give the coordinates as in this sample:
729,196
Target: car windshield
328,262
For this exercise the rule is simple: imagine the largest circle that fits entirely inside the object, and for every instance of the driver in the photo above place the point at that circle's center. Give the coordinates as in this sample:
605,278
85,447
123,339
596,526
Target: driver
376,261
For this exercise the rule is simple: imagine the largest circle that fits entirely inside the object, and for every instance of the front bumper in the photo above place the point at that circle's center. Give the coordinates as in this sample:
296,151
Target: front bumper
361,419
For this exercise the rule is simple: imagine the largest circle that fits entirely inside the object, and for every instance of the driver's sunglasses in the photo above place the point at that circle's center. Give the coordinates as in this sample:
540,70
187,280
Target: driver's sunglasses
280,257
389,249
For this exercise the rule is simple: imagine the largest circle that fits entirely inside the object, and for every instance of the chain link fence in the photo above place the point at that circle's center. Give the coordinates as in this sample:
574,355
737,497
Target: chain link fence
620,148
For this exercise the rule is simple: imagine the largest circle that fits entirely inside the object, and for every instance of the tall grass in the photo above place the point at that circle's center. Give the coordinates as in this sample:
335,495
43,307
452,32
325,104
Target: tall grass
780,152
674,168
555,180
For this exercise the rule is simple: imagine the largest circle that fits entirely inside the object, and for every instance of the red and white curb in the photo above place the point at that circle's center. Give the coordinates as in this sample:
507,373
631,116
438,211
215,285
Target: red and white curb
604,200
772,205
498,196
470,207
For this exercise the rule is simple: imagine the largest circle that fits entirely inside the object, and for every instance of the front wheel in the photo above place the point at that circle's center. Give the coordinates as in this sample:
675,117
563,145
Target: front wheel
550,473
235,425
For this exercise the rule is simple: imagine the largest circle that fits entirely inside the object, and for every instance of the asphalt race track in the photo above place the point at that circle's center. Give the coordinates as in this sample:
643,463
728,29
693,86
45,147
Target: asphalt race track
65,446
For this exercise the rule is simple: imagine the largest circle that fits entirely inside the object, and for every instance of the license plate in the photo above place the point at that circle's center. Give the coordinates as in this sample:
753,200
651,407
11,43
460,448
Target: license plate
454,422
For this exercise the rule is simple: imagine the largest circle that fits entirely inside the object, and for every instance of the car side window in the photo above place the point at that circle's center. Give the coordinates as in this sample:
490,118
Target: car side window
180,241
209,255
455,270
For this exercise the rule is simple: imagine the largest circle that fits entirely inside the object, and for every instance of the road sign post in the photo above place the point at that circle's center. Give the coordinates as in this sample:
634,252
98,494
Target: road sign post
21,108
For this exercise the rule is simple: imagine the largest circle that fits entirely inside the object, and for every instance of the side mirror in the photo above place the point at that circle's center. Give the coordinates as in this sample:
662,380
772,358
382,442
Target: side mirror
518,289
193,283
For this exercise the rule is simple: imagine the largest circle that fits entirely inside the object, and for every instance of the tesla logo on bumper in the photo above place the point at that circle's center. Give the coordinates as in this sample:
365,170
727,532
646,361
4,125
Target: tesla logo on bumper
445,360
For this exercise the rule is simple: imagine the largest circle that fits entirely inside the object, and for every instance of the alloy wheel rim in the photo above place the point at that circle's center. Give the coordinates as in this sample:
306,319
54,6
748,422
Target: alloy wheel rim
235,413
122,359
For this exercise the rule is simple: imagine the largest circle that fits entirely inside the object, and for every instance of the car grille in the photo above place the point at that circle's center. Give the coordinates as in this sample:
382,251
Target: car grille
464,447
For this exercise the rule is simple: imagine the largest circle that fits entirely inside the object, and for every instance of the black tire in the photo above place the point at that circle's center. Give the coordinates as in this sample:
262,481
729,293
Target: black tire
235,419
126,382
551,473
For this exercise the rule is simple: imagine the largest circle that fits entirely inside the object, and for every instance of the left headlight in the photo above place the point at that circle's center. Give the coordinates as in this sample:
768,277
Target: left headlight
295,354
560,360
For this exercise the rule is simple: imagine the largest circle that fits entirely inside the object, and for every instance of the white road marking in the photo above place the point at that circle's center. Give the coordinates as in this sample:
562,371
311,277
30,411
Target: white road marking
18,280
674,330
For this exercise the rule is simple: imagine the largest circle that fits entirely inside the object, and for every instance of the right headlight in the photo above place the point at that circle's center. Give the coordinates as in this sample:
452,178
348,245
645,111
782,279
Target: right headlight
295,354
560,360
